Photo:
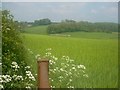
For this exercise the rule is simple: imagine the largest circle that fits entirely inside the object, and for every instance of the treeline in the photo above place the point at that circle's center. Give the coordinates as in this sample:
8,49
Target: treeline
73,26
39,22
44,21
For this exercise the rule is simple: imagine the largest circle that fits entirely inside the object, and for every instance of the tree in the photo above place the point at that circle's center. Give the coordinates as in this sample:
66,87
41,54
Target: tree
73,26
45,21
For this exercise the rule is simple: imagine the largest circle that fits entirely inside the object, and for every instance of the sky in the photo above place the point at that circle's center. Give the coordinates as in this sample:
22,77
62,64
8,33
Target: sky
57,11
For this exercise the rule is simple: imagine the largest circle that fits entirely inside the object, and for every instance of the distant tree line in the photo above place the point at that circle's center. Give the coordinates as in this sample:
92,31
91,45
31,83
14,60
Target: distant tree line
39,22
45,21
73,26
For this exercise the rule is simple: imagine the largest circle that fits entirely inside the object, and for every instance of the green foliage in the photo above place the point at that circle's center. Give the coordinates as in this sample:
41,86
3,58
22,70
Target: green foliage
45,21
13,49
72,26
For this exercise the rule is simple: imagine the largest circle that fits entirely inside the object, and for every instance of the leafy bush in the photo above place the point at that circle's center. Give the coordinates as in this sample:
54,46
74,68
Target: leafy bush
13,54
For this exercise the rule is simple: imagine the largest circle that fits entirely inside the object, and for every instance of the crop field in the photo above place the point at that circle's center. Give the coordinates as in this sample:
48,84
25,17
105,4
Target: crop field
97,52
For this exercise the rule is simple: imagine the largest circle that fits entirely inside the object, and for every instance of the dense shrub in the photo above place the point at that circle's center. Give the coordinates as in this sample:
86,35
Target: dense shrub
13,53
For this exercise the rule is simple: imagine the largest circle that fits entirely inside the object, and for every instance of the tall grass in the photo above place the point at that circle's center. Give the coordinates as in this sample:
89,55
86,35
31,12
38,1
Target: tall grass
100,56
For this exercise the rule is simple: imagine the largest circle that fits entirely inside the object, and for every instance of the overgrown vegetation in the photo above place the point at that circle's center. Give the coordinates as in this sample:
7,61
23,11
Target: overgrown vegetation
13,55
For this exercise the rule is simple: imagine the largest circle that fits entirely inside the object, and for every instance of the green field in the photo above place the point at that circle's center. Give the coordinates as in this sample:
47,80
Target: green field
36,30
97,51
93,35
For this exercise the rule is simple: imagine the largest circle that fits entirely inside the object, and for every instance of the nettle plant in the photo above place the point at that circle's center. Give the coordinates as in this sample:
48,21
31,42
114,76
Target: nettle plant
15,72
63,72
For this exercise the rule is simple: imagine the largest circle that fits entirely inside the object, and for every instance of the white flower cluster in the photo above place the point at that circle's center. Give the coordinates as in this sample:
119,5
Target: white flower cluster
8,79
30,76
17,77
15,66
28,87
0,64
64,70
1,86
27,67
37,56
81,66
4,79
47,54
70,86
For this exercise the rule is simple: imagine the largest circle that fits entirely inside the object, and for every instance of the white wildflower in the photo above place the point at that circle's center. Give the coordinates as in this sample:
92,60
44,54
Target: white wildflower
37,56
85,75
70,80
60,77
8,29
6,78
47,54
0,64
1,86
28,67
81,66
54,69
71,87
52,86
15,66
17,77
28,87
30,76
61,69
14,63
73,68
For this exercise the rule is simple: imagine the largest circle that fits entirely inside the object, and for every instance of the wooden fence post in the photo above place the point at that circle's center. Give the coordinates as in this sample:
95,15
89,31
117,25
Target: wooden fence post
43,71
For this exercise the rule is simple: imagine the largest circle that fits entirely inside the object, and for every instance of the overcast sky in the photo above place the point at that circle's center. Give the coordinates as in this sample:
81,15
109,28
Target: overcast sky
80,11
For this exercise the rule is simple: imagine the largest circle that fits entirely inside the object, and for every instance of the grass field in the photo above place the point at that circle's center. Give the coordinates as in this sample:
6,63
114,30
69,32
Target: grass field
93,35
36,30
97,51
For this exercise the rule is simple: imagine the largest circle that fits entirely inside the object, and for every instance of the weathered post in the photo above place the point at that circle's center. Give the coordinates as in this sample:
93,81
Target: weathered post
43,71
